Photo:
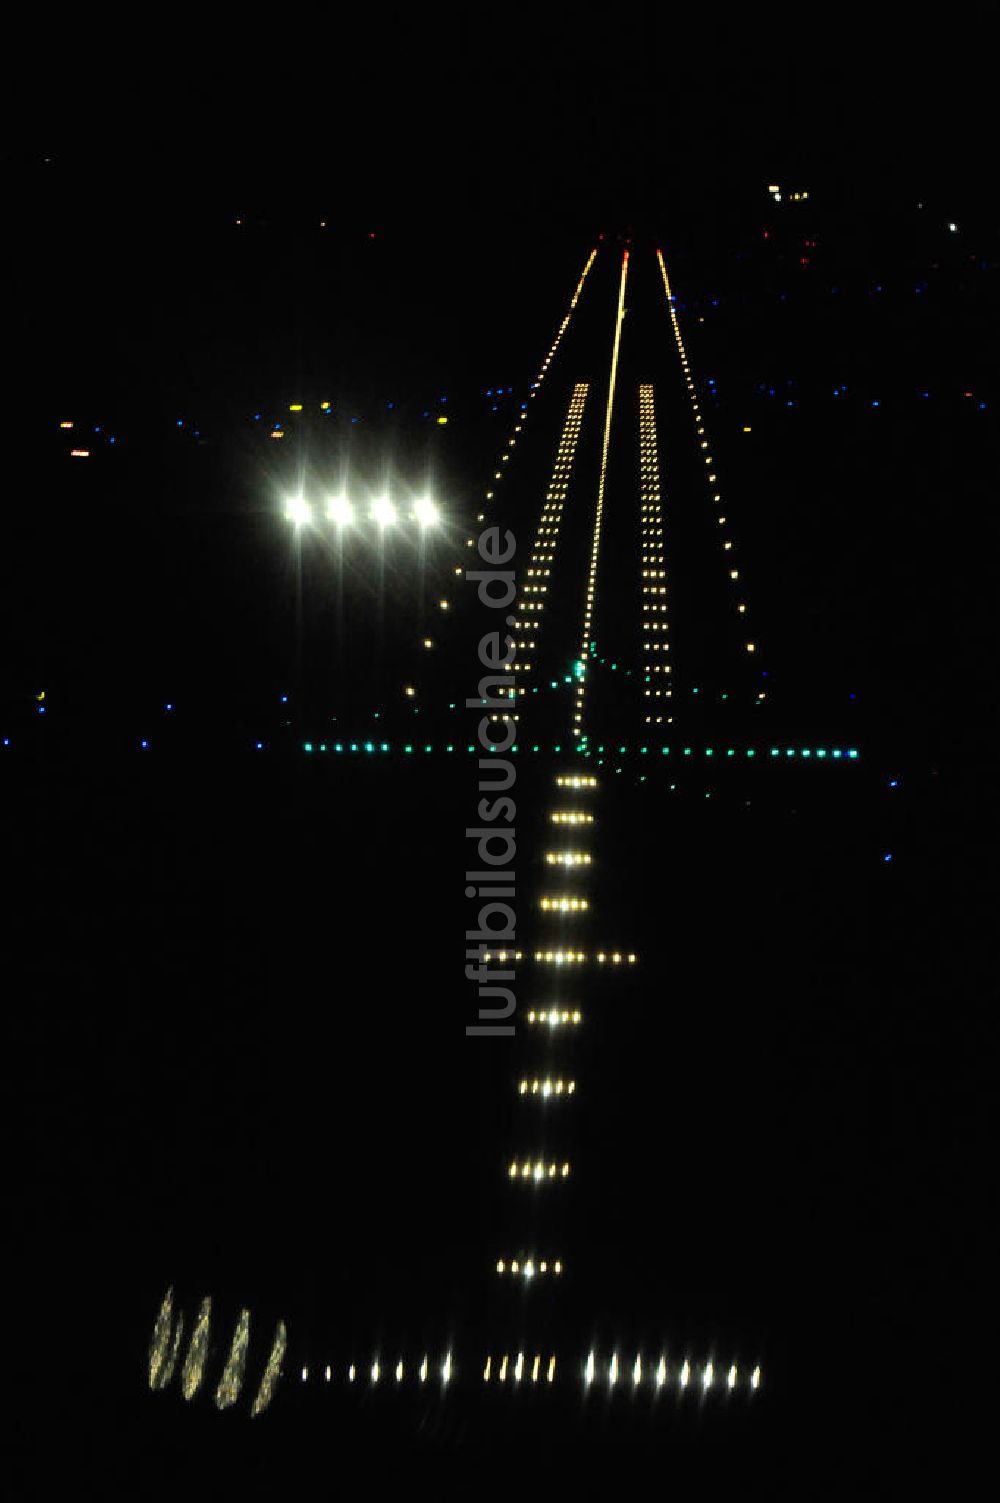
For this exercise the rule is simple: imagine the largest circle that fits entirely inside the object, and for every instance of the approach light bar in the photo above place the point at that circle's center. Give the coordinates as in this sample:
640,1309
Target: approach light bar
342,512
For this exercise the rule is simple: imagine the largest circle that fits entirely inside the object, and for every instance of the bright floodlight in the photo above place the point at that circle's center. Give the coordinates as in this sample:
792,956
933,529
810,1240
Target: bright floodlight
339,510
383,511
298,510
426,513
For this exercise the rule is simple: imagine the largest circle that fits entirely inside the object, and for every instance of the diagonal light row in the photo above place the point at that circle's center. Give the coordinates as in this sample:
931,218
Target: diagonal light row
586,643
534,390
531,601
727,542
522,416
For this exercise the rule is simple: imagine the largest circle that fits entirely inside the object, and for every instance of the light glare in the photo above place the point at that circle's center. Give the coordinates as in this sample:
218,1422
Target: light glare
340,510
298,510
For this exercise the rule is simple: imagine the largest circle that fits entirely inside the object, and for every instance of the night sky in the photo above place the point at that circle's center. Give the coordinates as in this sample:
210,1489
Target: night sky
234,946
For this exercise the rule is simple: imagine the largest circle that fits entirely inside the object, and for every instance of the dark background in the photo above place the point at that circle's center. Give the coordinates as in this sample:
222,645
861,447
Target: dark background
235,1065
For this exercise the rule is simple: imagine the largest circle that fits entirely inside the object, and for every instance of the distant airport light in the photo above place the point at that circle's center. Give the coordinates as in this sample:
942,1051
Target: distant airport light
426,513
383,511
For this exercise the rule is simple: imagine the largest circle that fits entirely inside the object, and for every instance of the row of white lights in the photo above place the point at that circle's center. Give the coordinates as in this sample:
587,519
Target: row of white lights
707,1378
519,1366
529,1268
547,535
339,510
652,561
562,956
376,1371
583,957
